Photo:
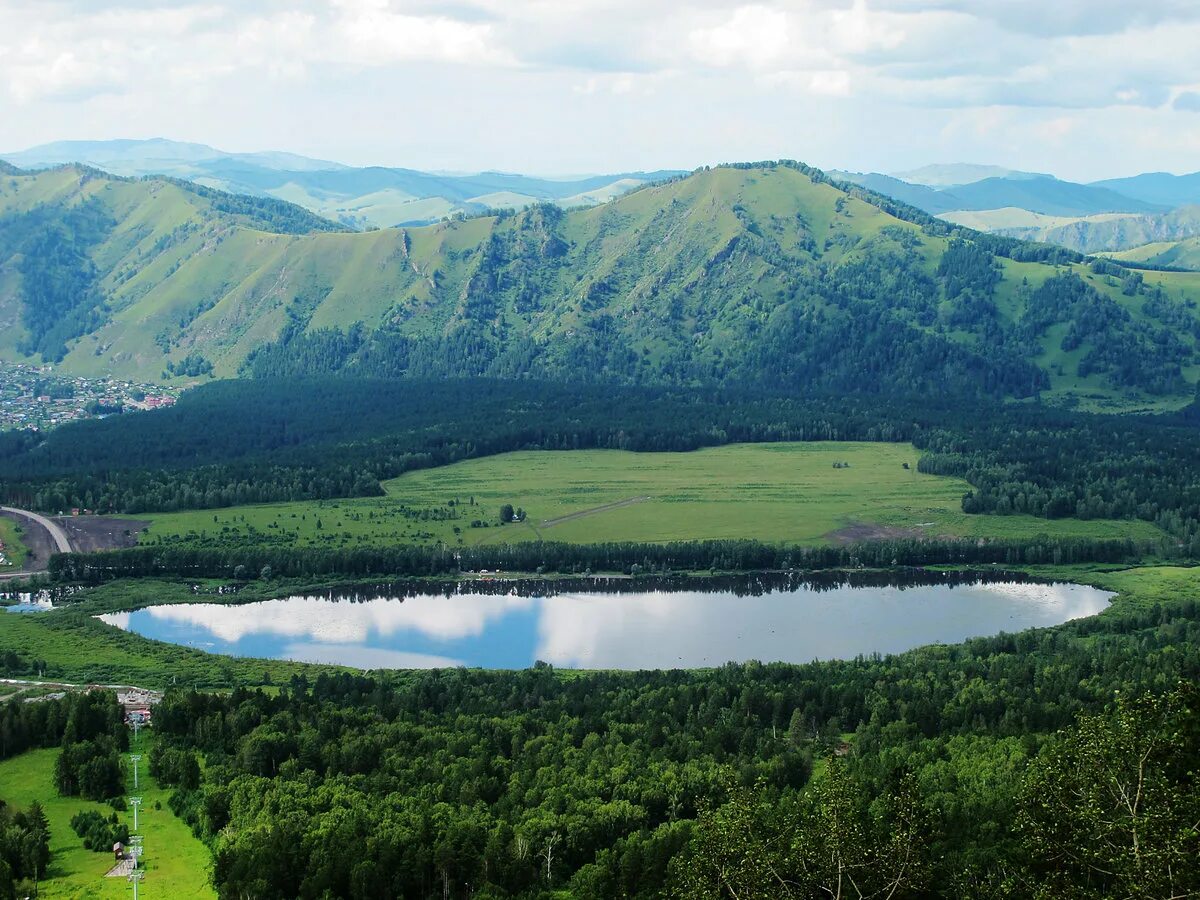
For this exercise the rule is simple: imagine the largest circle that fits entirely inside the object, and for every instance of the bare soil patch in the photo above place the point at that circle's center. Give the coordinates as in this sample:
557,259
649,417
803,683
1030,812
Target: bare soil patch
866,531
38,543
91,533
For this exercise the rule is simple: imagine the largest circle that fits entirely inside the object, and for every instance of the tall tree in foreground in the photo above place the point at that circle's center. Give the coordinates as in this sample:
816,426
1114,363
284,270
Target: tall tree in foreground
1112,808
837,842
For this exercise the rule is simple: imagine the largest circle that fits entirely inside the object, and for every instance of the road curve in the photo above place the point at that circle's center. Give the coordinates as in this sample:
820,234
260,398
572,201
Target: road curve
61,543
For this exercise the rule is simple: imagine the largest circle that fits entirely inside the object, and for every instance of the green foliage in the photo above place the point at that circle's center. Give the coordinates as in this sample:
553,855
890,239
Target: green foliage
339,437
90,769
99,833
1111,807
192,366
267,213
24,847
59,290
76,718
175,767
1058,464
715,555
235,442
840,840
176,864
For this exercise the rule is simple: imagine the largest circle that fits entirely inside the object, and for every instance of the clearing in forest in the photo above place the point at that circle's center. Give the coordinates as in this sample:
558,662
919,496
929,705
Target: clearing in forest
814,492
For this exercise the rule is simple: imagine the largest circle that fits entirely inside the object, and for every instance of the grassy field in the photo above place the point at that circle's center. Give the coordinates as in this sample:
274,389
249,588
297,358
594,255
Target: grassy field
76,648
177,864
783,492
10,544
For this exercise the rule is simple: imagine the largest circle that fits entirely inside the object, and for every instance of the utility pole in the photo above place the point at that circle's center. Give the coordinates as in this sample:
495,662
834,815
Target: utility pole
135,758
134,877
135,802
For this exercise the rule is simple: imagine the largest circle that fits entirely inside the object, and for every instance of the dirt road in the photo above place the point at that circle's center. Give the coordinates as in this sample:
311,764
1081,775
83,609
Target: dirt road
570,517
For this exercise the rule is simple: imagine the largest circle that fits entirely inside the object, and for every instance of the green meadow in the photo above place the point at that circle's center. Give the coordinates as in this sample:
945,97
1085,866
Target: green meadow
10,544
177,863
812,493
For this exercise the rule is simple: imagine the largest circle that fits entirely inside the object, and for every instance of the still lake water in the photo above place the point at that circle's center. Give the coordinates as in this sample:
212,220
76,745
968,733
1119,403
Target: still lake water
614,626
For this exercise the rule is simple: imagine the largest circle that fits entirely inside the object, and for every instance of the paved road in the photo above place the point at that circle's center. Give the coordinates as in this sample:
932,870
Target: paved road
61,543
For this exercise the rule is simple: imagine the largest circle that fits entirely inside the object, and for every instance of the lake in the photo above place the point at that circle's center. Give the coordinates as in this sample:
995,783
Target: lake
614,625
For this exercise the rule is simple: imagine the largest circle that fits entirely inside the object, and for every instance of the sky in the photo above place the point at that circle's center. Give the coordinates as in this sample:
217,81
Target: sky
1084,89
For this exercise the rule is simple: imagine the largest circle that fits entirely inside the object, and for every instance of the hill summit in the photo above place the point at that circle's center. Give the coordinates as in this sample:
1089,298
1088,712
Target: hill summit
769,274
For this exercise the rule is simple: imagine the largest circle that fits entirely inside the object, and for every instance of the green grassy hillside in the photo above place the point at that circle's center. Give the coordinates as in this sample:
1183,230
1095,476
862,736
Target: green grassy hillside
758,274
1177,254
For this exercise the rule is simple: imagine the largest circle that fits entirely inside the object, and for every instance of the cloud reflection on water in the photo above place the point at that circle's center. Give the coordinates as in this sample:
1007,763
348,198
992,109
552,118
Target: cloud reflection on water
654,629
688,629
341,622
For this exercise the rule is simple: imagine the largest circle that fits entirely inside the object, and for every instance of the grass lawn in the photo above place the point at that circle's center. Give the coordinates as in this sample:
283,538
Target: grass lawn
781,492
11,547
177,864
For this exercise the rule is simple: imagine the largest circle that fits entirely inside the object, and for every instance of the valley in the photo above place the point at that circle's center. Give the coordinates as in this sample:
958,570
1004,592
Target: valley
608,451
497,515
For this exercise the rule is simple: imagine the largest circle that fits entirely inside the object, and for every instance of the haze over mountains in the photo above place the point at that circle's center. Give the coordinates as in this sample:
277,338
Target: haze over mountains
374,196
1111,215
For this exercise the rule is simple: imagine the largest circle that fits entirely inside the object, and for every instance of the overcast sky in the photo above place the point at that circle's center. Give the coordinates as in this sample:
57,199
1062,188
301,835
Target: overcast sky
1084,89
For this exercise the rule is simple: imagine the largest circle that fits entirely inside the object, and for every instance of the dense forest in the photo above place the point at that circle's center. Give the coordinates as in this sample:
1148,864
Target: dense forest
248,441
75,720
236,442
24,848
963,768
62,299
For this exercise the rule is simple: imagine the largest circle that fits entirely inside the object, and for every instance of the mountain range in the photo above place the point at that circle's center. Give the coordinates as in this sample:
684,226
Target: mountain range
771,274
374,196
1104,216
1111,215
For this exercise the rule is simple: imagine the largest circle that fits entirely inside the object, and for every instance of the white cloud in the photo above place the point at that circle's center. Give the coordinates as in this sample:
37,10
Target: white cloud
834,83
453,76
368,32
752,36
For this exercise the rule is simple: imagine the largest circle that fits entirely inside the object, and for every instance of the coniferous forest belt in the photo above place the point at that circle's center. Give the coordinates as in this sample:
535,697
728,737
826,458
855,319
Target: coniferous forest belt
634,558
256,441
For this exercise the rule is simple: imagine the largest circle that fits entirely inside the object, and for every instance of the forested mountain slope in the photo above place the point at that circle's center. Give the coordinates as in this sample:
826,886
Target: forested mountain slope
764,274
